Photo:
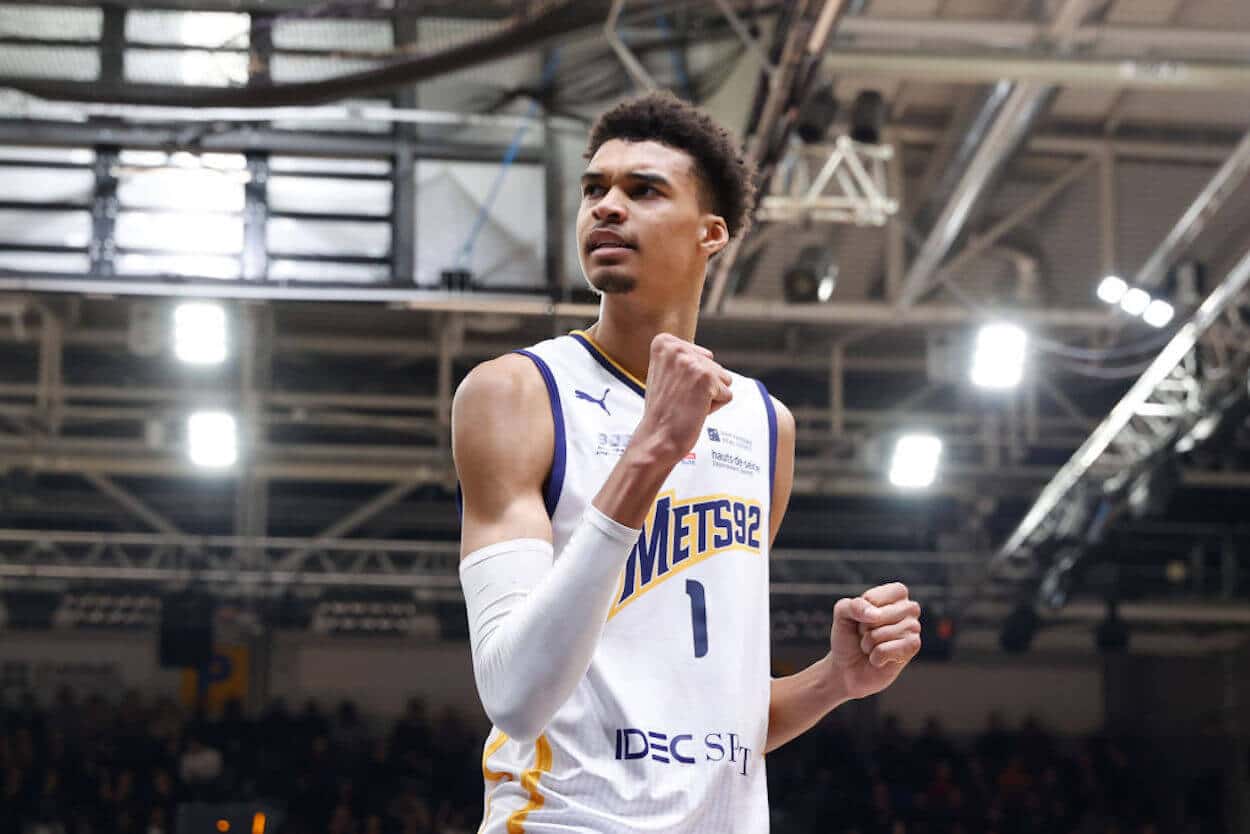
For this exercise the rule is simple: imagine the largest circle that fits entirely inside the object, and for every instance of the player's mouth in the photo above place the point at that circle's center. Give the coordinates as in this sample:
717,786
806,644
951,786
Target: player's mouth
605,243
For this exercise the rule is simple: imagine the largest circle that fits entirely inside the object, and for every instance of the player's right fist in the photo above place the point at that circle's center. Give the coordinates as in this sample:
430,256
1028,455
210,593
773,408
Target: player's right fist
684,386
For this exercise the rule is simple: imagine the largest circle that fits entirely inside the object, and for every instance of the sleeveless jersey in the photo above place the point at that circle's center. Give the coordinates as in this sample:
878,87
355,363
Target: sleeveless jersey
666,732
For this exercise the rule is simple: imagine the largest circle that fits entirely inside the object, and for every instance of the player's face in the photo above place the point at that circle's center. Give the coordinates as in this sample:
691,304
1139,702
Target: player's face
641,223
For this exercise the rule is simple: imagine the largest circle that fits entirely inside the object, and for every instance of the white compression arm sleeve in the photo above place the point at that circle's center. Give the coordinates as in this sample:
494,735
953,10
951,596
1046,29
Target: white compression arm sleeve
534,622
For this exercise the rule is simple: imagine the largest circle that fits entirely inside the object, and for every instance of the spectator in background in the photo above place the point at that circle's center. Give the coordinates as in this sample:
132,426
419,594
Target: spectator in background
200,768
822,784
349,735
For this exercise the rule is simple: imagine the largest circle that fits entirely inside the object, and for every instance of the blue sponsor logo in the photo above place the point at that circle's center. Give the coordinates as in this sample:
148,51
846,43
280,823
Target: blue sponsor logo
633,744
601,401
729,438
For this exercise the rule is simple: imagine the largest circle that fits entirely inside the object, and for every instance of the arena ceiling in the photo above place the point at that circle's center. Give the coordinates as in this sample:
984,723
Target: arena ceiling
1032,148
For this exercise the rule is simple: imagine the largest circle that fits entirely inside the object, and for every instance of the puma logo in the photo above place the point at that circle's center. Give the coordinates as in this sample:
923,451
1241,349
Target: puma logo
582,395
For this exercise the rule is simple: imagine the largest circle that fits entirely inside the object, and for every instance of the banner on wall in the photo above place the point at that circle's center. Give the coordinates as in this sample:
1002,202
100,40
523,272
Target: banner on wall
226,676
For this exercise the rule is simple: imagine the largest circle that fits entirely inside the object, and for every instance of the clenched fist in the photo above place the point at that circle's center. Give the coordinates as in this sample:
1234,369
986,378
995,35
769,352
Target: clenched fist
684,386
873,637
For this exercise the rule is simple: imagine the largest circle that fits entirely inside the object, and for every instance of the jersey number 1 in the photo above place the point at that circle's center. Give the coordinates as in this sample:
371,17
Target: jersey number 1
698,615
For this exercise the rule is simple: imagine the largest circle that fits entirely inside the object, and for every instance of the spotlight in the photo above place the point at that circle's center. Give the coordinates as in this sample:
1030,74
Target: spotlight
804,279
867,117
1158,313
827,284
1112,289
915,461
1135,301
999,359
212,439
200,333
817,115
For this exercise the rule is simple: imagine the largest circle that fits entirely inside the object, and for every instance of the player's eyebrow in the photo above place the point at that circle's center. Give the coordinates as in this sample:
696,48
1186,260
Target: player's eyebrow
643,176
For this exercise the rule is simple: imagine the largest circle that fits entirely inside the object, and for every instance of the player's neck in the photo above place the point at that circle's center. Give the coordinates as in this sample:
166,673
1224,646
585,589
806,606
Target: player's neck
624,330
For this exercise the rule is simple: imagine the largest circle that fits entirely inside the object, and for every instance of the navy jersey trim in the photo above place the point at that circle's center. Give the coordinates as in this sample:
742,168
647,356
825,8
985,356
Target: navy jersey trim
609,365
772,438
555,480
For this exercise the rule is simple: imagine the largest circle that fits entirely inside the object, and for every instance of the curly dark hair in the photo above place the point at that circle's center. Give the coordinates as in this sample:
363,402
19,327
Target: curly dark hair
728,180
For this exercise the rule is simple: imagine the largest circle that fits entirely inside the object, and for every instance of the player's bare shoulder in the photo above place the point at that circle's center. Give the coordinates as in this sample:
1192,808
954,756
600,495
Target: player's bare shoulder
502,441
785,421
501,409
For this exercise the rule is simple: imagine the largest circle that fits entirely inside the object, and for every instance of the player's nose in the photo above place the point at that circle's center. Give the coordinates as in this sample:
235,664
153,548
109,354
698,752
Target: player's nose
610,207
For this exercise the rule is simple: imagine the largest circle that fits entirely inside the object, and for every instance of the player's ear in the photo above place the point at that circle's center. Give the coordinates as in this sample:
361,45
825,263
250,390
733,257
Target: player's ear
713,234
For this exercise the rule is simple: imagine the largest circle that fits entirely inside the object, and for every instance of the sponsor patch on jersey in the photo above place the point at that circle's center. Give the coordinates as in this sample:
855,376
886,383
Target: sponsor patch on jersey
734,463
682,532
609,444
728,438
668,748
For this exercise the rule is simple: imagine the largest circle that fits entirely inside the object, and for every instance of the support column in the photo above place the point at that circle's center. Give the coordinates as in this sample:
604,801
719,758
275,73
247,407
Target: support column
251,513
403,169
553,200
48,398
837,399
1108,211
896,228
255,265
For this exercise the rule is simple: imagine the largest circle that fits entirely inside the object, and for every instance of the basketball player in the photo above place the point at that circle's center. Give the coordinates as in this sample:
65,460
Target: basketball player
621,491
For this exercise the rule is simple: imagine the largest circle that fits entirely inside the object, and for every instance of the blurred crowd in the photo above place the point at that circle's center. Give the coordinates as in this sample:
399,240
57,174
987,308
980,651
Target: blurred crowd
92,766
1003,781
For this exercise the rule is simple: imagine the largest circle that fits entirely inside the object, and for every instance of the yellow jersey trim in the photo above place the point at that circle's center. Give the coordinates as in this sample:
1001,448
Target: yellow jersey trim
607,357
529,781
496,776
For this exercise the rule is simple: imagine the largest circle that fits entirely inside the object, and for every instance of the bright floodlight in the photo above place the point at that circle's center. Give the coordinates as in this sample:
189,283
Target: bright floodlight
1158,314
1112,289
1135,301
212,439
915,461
200,333
999,359
824,291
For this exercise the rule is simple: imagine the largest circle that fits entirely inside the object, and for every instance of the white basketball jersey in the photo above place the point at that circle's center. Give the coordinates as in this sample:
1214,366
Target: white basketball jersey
666,732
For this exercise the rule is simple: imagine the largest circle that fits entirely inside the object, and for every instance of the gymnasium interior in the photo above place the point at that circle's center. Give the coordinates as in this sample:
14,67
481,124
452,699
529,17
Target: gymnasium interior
997,271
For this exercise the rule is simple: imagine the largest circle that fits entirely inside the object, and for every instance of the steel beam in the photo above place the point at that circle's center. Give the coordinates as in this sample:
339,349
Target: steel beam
803,45
245,139
442,8
737,309
988,67
531,27
1205,206
132,503
1120,40
999,129
983,241
1196,150
1074,471
379,503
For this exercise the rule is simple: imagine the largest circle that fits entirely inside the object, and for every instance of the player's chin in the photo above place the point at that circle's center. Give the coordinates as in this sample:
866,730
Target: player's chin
610,281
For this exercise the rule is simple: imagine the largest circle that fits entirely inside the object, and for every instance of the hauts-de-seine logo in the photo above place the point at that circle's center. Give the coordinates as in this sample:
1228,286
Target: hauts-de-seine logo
682,532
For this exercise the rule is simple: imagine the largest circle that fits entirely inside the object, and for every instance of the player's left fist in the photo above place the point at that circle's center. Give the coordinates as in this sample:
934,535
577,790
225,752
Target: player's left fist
873,637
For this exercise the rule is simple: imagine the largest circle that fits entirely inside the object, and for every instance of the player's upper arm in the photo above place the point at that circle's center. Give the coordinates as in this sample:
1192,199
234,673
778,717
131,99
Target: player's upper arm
783,479
502,437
